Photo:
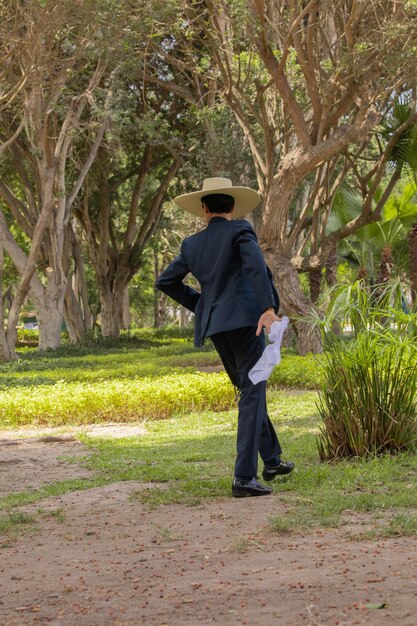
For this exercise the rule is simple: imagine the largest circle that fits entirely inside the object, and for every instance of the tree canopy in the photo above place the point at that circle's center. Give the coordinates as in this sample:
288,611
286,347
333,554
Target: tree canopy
107,108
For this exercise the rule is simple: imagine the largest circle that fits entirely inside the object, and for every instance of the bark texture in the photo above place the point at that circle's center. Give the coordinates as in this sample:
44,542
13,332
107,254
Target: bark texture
315,279
386,264
7,353
294,303
412,257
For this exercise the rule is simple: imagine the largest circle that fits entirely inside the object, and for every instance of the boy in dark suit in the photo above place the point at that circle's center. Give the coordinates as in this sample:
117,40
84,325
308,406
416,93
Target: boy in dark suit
237,300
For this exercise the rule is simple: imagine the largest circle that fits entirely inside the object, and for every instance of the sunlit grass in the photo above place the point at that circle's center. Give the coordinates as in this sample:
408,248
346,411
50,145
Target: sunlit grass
188,456
192,459
189,459
116,400
123,384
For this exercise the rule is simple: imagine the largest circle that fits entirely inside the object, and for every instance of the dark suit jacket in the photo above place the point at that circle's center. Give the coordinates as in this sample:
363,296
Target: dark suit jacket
236,285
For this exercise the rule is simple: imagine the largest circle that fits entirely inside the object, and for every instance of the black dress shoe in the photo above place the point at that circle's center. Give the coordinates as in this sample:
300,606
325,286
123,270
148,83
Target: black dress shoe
247,488
284,468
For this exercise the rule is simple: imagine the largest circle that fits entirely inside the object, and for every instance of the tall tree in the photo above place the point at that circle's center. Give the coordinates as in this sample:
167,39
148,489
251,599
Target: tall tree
64,62
118,217
307,81
122,201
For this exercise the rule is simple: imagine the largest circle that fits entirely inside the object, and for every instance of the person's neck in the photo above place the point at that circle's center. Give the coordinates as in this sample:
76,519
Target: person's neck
226,216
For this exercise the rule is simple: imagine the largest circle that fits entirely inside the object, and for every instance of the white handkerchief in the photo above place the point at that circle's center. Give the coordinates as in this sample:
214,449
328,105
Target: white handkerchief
271,356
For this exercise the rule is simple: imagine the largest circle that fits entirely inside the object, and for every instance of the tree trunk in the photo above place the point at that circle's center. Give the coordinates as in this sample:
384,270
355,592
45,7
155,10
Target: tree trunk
125,319
50,326
412,256
51,314
385,265
76,323
331,279
315,275
26,265
156,312
272,238
362,274
110,313
183,317
295,304
159,305
80,284
331,267
7,353
293,301
156,292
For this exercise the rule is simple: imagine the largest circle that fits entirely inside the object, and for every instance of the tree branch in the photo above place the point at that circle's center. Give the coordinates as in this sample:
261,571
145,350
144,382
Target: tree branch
86,167
13,138
151,219
18,209
137,191
276,71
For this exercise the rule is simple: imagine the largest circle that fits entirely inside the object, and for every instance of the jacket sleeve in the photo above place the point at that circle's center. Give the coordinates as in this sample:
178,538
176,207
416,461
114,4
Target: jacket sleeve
170,282
254,265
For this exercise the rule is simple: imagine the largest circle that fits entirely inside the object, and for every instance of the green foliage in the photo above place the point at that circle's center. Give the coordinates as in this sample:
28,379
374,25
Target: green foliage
303,372
116,400
14,521
191,458
112,380
193,455
27,337
147,374
405,150
365,246
368,401
325,494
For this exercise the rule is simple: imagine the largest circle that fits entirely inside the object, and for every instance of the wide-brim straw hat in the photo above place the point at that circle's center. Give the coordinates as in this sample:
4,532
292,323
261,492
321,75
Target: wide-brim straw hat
246,199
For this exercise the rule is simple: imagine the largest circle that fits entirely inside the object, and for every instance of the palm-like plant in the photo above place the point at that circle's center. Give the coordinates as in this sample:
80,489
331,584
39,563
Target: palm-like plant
377,241
404,154
357,248
374,248
412,259
368,401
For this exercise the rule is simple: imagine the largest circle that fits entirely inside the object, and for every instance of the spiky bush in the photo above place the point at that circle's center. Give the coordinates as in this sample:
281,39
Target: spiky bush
368,401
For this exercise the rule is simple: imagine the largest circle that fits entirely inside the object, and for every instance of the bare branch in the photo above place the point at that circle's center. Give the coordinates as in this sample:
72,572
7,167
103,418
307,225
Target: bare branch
137,190
12,139
77,106
18,209
86,167
151,221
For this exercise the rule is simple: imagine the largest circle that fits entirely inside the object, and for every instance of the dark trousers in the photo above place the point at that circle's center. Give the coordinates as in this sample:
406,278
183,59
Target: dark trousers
239,350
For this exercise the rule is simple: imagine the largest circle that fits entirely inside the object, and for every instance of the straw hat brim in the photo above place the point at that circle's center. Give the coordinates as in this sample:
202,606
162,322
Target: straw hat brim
246,200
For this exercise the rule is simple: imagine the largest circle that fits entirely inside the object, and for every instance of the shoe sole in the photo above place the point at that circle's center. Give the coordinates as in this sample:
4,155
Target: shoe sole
268,477
240,494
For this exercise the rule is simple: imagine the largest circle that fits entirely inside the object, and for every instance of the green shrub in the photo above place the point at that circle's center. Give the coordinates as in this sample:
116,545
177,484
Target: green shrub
166,332
134,378
116,400
304,372
27,337
368,401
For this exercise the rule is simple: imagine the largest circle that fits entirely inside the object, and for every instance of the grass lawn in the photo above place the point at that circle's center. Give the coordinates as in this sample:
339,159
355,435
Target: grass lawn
152,378
193,456
190,453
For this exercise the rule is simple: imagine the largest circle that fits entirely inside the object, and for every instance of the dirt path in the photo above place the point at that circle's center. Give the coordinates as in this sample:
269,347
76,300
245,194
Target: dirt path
100,558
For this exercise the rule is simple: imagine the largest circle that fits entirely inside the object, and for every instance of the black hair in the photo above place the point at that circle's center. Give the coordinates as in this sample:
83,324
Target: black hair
219,202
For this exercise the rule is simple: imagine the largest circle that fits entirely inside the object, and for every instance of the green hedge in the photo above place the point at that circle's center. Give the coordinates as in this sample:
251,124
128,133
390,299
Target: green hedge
118,400
80,384
304,372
